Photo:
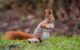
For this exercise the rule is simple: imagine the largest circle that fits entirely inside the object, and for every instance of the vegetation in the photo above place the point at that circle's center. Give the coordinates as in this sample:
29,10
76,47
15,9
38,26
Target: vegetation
53,43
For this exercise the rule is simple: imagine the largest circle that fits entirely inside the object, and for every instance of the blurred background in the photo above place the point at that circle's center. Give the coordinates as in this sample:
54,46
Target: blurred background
25,15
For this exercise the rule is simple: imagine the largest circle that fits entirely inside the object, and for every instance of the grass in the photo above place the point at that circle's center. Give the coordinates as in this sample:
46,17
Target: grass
53,43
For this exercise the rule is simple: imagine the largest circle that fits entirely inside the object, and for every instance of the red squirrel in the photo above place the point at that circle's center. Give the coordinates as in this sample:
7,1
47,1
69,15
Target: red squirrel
42,30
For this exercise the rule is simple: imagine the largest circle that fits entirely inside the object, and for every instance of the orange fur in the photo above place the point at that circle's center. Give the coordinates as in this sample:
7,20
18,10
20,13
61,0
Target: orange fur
13,35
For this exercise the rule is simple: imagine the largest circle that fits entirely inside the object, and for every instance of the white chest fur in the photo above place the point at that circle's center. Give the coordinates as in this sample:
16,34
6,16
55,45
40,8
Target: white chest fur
45,35
50,25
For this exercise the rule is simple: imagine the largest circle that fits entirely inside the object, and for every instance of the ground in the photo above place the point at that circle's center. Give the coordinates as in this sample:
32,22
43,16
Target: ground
53,43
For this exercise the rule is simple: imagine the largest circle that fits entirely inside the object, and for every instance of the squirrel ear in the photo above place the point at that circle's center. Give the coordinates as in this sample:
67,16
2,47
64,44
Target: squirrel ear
46,10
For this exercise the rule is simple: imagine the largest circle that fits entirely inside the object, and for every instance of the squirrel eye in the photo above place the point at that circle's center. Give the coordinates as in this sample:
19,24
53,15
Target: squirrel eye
49,12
